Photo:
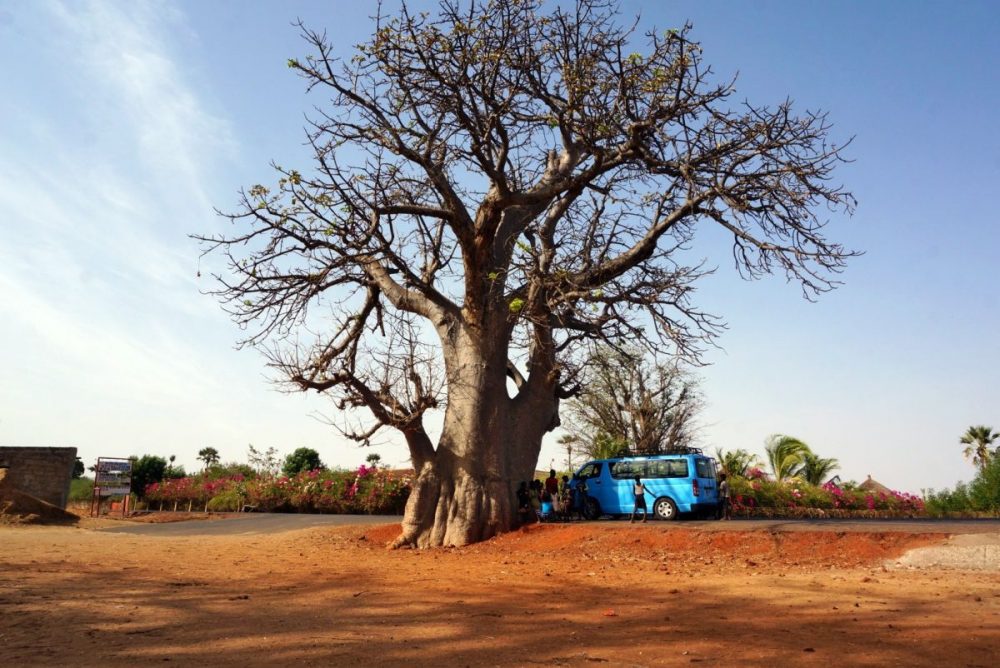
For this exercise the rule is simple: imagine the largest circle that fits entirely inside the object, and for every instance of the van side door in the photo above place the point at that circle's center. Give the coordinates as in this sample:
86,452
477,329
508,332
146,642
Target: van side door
592,475
622,480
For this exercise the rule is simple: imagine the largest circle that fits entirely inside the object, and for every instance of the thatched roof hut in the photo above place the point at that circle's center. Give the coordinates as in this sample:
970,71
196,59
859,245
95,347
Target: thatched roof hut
874,486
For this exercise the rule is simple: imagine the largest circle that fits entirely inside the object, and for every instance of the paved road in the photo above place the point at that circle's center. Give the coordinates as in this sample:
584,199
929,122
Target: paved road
256,523
249,523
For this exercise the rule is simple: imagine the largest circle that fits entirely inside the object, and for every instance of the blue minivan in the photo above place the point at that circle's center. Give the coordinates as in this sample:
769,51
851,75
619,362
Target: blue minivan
676,483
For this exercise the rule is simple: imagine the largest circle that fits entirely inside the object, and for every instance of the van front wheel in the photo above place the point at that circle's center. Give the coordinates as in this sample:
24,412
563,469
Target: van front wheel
665,509
591,509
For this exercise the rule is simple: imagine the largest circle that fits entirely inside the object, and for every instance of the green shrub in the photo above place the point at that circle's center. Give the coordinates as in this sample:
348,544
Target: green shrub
985,488
226,502
948,500
228,470
81,489
982,495
814,496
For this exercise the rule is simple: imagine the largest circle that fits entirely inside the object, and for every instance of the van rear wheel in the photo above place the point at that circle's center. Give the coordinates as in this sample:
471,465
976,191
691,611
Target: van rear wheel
665,509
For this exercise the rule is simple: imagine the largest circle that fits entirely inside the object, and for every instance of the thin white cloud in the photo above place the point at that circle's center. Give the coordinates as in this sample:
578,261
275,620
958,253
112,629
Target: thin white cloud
111,168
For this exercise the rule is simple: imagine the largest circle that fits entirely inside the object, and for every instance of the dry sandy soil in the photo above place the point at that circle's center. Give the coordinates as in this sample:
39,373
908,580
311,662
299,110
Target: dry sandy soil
574,595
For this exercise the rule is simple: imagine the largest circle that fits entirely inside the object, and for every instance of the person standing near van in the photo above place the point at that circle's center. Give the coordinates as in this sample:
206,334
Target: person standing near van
581,496
724,497
639,490
552,483
565,498
535,495
524,510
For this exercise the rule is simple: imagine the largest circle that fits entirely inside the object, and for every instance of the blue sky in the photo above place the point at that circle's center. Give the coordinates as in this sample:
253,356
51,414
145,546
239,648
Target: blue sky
123,124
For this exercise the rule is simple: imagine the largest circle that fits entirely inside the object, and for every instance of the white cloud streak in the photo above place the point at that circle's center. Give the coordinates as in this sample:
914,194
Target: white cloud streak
111,167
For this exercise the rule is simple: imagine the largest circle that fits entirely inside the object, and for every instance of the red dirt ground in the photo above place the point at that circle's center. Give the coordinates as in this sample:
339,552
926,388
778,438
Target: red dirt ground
567,595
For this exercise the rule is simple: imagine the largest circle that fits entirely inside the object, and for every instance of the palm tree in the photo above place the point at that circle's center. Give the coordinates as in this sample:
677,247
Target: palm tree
568,441
735,462
815,470
785,455
209,455
979,439
605,446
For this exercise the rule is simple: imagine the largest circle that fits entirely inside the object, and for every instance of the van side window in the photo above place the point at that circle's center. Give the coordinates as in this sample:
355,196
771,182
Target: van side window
704,468
627,469
667,468
591,470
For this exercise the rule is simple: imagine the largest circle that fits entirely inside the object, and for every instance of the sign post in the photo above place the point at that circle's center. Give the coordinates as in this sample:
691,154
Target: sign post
112,477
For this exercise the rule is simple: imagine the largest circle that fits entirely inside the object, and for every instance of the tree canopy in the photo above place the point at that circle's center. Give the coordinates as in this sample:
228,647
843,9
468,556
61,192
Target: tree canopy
209,455
302,459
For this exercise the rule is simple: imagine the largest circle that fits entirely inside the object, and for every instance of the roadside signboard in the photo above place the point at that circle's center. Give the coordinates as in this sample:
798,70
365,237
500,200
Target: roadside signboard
112,477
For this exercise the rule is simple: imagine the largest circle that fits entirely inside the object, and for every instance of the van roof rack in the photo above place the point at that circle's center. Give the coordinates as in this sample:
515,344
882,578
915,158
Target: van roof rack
672,451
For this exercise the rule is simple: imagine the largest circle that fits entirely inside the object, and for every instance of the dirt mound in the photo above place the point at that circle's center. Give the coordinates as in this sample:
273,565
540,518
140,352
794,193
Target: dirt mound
760,550
16,507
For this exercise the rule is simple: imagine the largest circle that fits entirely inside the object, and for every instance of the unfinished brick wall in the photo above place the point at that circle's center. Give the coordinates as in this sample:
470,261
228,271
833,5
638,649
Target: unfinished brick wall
44,473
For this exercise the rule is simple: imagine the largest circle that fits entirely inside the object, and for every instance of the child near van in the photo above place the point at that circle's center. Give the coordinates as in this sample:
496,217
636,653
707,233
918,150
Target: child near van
639,490
581,496
565,499
524,511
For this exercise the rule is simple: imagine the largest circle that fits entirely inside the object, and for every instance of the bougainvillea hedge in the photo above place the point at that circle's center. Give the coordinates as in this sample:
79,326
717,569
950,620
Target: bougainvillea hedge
371,490
364,490
759,497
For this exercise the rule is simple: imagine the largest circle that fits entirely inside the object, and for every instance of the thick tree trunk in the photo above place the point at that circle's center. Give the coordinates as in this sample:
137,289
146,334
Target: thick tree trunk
465,491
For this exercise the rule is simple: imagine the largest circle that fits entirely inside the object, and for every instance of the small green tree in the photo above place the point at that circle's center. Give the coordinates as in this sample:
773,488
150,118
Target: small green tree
145,471
78,468
374,459
173,471
979,439
303,459
605,446
209,455
736,462
985,487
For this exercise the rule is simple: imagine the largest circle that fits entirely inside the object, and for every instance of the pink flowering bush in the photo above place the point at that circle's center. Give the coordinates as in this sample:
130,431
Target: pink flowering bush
794,498
367,490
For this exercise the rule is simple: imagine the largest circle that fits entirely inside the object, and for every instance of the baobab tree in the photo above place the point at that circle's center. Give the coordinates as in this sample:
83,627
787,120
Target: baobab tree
649,407
495,188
